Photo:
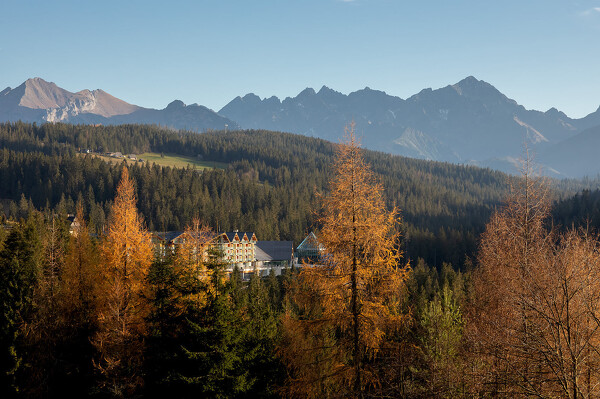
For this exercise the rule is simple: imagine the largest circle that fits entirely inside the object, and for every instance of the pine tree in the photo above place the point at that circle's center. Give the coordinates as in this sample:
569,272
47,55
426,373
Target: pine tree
20,261
181,283
123,294
440,341
351,301
212,362
261,335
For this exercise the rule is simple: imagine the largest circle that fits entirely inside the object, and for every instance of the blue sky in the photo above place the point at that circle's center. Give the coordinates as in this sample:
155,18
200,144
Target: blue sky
542,53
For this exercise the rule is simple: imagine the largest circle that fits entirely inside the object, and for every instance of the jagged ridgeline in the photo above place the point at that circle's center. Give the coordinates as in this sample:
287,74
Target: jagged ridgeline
252,180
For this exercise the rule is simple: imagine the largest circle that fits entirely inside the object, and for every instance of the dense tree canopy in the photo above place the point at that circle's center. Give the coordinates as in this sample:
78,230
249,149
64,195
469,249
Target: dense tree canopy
268,187
352,300
527,325
535,327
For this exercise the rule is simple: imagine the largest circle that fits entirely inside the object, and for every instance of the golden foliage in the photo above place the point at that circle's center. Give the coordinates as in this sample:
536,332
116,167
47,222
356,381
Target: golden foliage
190,265
535,319
348,306
79,274
123,294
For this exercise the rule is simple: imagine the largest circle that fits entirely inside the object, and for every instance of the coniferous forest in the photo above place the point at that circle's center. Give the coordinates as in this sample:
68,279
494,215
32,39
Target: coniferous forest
438,280
268,187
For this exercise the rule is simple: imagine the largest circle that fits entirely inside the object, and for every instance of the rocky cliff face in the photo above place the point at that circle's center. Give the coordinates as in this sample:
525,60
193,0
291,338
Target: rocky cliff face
92,102
51,103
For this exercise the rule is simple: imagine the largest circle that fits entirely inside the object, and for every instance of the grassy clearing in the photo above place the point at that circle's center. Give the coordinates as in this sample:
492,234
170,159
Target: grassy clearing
179,161
172,160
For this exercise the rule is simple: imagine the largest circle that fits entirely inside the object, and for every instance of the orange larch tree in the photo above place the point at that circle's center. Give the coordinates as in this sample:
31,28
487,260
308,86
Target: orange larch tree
346,308
534,325
191,256
513,248
123,293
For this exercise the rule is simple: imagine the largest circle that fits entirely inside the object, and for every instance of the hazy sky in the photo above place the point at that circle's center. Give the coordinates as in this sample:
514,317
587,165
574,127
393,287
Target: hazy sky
541,53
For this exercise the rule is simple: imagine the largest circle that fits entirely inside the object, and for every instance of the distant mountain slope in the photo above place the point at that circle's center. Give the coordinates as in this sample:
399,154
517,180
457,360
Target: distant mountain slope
588,121
177,115
468,122
580,152
39,101
56,104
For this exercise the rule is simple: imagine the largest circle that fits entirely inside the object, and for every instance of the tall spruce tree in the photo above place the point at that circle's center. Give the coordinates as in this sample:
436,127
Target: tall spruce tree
181,283
261,336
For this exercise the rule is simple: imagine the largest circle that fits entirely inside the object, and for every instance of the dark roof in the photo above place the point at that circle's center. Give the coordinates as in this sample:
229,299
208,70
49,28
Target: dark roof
168,236
274,250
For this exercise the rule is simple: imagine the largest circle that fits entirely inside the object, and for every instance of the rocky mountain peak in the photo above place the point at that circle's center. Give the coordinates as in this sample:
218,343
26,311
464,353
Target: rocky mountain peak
175,104
308,92
251,98
327,91
481,91
40,94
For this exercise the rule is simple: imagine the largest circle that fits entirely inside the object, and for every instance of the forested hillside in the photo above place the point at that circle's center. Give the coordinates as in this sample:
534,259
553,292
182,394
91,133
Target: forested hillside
581,211
269,186
98,311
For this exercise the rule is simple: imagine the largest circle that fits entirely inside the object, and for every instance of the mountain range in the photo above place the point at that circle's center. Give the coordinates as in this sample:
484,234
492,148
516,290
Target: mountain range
469,122
39,101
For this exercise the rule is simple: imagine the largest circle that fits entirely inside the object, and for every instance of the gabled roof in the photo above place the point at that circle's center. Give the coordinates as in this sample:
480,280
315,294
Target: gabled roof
274,250
248,234
310,243
167,236
174,237
231,235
